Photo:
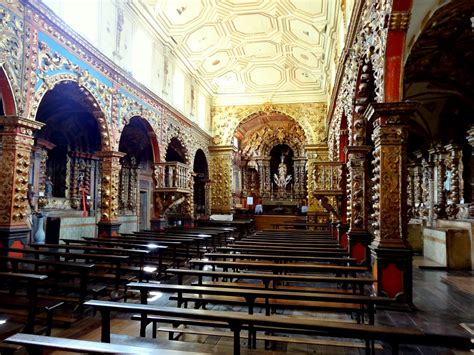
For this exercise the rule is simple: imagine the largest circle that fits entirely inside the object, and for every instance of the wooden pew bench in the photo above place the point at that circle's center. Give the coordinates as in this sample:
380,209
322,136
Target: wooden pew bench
283,251
280,268
237,321
35,344
62,276
357,284
279,258
31,301
268,299
109,264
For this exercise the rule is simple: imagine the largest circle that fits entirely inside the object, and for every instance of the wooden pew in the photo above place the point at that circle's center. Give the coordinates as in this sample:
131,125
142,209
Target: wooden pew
282,243
201,242
165,246
279,258
32,302
136,255
35,344
284,251
237,321
357,284
154,249
115,261
344,303
208,240
279,268
289,246
56,272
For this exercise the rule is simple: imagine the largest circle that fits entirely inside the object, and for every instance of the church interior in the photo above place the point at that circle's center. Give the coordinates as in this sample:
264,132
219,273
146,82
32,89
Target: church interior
237,176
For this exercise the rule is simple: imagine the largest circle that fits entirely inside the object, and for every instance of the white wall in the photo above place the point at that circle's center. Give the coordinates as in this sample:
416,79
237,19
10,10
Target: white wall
118,33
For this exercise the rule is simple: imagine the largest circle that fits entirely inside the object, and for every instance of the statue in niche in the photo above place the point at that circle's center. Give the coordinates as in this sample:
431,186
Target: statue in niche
48,187
282,179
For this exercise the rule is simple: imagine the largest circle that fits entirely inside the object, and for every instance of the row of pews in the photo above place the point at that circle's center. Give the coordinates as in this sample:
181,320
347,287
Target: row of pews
265,274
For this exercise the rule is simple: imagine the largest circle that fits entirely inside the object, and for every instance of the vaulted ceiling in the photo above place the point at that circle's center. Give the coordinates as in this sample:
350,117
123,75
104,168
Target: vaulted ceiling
250,50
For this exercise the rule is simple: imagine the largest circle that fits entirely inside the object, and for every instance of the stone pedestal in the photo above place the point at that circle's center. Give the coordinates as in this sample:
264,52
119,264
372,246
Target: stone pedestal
342,229
359,247
392,267
108,229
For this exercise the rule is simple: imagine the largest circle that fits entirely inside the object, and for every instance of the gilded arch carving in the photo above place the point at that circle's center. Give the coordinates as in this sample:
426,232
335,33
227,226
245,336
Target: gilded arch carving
48,62
11,53
310,116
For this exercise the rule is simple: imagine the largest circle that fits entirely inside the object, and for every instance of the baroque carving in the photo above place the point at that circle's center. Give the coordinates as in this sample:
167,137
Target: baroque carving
310,116
110,185
221,178
17,143
12,52
368,45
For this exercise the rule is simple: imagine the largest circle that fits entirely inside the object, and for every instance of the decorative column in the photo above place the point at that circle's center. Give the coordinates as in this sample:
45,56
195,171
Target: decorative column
221,178
392,255
16,136
315,153
470,187
109,224
158,222
266,178
358,236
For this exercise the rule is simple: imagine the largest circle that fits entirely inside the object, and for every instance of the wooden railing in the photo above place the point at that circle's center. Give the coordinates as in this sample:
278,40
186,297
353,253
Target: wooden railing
172,176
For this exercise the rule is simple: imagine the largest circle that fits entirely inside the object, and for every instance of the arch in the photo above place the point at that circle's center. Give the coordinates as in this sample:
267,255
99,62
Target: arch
98,110
69,142
155,150
177,146
201,178
6,95
261,131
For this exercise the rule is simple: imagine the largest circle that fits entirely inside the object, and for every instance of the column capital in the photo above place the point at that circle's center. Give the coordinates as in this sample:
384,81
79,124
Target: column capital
357,149
110,154
20,122
389,113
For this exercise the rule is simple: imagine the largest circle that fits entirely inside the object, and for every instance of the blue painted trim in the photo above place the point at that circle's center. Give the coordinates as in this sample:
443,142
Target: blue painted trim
56,47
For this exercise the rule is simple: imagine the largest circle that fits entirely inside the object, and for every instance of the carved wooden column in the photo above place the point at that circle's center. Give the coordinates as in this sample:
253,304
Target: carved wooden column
315,153
470,187
17,143
221,178
392,255
266,178
109,224
358,237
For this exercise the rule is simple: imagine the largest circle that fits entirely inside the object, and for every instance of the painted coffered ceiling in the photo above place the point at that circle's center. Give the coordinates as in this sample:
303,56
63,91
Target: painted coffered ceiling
250,51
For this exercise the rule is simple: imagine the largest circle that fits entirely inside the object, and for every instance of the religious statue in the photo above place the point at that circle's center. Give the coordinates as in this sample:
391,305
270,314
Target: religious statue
48,187
282,179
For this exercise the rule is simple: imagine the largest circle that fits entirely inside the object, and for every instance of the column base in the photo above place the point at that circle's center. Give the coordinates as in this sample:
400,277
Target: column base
158,224
14,237
108,229
342,229
393,270
359,247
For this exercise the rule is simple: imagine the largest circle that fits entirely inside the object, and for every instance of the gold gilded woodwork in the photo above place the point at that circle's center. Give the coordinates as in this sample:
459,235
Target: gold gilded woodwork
368,42
310,116
399,21
390,171
97,93
260,142
17,143
315,153
357,185
110,185
221,179
11,53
